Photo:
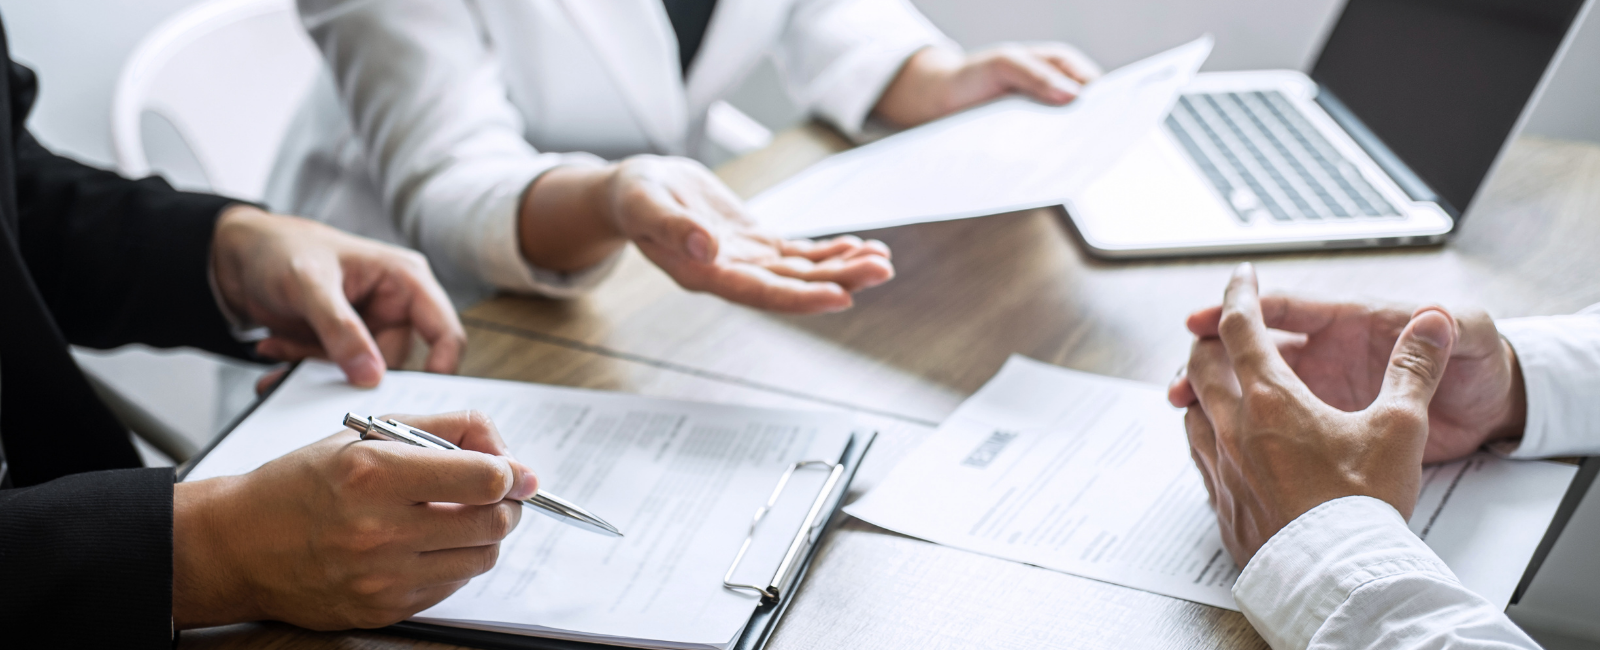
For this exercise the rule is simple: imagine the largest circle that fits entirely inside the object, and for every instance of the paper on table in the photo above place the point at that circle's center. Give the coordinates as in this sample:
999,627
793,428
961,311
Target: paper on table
680,479
1008,155
1091,476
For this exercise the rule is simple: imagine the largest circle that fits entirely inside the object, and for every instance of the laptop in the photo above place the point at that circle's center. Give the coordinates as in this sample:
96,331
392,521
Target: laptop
1407,110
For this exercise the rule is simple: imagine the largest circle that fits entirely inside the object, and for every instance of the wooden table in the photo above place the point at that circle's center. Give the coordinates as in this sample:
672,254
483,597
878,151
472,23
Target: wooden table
969,294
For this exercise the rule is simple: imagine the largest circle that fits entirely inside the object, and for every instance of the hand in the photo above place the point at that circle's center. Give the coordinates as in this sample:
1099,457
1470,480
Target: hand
1341,351
325,293
692,226
936,82
346,533
1270,450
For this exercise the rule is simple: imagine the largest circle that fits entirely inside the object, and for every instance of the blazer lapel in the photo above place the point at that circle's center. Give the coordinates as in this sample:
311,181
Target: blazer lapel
635,42
736,40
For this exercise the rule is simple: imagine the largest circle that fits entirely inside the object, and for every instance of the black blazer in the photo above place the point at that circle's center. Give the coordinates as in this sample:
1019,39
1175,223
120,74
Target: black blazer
94,259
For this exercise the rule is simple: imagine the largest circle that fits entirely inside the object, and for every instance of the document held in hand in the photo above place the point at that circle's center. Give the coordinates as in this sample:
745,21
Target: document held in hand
682,478
1008,155
1092,476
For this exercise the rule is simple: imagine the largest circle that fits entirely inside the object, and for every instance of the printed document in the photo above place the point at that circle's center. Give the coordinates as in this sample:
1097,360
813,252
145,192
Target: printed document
1009,155
682,481
1092,476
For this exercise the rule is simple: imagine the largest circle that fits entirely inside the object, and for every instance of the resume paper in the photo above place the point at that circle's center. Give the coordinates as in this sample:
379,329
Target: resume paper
1091,476
682,480
1008,155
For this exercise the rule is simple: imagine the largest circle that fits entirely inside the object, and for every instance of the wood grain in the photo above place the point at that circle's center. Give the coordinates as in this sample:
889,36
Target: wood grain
969,294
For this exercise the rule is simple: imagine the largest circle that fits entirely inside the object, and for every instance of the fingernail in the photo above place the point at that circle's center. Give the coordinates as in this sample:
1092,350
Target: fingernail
1434,327
699,247
527,484
364,371
1067,86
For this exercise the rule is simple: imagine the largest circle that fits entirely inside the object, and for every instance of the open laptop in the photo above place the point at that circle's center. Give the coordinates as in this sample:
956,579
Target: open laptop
1387,142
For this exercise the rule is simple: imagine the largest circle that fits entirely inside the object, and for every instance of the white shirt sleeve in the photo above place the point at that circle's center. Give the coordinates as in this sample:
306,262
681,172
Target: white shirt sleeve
838,56
1350,574
424,95
1560,359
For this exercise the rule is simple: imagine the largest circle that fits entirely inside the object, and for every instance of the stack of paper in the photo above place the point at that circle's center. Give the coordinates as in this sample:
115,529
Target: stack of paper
1010,155
1092,476
680,479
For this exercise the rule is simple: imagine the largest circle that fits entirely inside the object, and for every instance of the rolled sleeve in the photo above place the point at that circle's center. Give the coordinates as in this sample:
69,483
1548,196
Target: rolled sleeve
838,56
1350,574
1560,361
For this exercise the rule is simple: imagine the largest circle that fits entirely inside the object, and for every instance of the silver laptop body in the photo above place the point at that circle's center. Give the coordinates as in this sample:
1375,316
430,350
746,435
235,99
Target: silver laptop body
1269,161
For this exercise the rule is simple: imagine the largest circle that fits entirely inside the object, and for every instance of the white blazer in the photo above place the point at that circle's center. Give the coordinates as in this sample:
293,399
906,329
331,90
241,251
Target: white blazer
450,108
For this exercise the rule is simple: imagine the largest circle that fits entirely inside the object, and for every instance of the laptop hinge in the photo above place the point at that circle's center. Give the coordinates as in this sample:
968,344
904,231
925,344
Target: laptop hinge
1391,164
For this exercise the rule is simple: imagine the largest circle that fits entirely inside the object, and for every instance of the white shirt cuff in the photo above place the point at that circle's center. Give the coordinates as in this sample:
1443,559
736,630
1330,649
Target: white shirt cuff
500,260
1560,360
1306,571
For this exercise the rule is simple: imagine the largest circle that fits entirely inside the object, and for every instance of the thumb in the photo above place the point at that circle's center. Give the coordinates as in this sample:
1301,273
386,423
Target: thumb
1420,354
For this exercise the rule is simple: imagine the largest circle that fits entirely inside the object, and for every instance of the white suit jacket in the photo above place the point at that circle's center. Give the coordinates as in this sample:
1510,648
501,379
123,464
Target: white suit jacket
439,113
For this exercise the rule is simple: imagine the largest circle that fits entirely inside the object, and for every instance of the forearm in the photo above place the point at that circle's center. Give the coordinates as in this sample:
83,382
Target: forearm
565,223
917,94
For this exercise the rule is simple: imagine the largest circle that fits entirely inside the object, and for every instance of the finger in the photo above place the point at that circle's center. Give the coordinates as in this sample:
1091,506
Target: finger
1278,312
450,525
761,288
1070,61
454,565
1244,332
395,345
433,317
1202,448
670,225
339,329
1026,73
1418,362
851,274
818,251
1179,393
422,475
1211,376
472,430
267,381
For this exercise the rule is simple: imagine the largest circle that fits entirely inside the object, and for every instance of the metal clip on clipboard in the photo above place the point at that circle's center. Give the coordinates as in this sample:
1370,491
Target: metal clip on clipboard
804,539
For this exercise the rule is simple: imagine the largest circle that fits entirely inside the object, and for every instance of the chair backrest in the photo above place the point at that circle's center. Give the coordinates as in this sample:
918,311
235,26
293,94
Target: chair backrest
229,75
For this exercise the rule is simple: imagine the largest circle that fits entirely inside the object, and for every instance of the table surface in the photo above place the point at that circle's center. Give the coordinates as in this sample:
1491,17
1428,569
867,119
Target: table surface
968,295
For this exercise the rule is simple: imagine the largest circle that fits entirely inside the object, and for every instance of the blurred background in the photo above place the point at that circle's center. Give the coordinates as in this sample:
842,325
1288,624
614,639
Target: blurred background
79,47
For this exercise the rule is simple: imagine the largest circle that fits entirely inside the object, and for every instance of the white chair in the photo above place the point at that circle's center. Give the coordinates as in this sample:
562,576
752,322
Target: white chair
228,76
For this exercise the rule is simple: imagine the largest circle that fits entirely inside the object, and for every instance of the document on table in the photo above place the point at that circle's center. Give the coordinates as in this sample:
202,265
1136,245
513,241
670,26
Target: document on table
1092,476
680,479
1009,155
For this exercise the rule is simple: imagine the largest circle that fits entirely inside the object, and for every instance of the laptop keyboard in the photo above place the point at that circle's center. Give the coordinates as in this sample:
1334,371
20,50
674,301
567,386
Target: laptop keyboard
1268,162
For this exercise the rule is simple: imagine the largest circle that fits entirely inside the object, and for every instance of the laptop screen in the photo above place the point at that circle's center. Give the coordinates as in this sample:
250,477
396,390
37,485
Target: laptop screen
1442,82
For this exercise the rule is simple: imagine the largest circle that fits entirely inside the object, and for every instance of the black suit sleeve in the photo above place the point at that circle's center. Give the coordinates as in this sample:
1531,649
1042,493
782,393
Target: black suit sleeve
116,260
87,561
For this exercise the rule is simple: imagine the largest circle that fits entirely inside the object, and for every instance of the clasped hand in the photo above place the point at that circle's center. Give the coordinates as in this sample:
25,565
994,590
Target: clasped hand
1293,403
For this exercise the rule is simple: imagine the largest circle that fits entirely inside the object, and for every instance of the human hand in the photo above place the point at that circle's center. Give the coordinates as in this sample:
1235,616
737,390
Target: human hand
1341,351
346,533
692,226
1270,450
325,293
936,82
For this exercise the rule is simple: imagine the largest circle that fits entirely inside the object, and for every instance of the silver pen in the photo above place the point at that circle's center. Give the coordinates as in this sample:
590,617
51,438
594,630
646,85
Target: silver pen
549,504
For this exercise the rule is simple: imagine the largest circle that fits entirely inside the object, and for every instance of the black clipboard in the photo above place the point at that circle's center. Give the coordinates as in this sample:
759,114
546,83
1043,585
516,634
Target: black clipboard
1587,469
756,633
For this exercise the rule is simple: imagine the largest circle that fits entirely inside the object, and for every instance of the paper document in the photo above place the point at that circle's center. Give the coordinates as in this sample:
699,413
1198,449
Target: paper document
1009,155
1092,476
680,479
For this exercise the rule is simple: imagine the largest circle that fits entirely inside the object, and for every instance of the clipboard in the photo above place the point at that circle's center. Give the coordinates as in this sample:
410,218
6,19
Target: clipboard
1579,487
775,595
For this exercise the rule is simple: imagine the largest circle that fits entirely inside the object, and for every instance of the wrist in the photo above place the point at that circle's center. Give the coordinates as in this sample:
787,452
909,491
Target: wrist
922,90
233,236
566,220
208,583
1514,416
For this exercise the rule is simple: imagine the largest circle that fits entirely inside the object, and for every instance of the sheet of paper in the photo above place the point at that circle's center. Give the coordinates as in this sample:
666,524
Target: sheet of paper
680,479
1091,476
1008,155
